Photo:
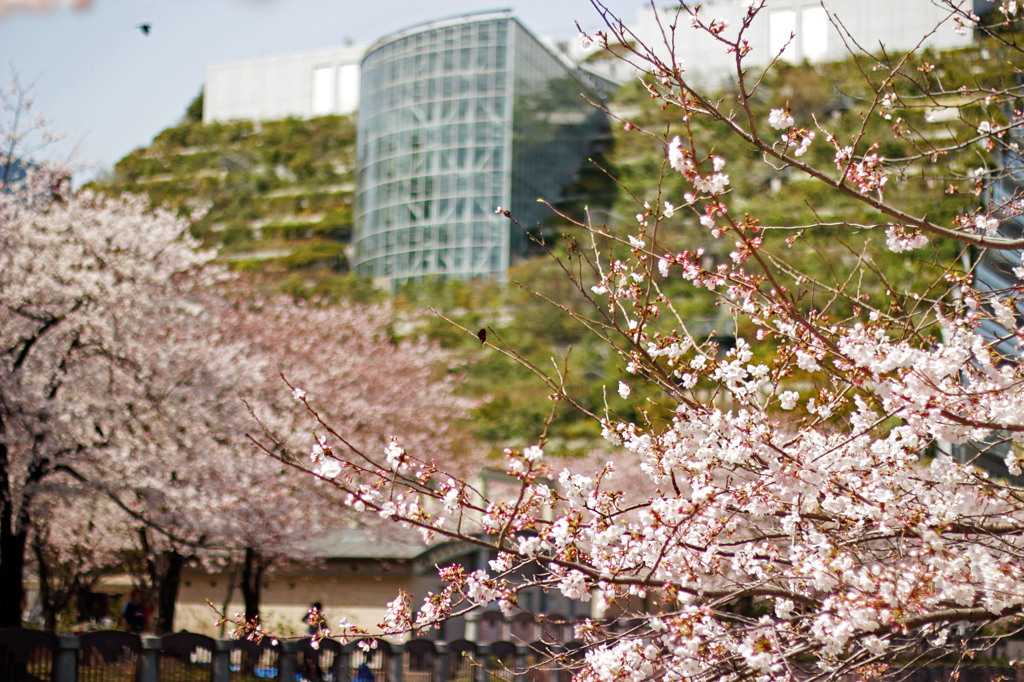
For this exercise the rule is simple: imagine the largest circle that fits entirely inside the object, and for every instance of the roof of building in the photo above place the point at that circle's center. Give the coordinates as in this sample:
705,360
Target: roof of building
345,53
441,22
362,543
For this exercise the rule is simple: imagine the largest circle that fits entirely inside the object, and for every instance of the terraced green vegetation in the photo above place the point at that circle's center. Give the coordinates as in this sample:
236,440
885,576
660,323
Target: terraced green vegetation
279,198
273,197
828,99
834,255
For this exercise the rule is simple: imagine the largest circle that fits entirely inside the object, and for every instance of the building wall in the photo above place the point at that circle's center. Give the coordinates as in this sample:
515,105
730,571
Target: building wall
357,592
445,109
897,25
302,85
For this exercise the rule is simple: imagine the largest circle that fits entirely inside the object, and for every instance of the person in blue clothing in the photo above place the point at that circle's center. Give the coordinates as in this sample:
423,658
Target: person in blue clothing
364,674
134,613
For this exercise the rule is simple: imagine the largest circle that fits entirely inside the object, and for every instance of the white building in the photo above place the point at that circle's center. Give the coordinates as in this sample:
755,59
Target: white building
302,85
791,30
326,81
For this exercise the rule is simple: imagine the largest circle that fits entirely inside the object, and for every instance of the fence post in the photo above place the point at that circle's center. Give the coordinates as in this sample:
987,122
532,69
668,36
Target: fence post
286,660
521,650
441,662
472,632
65,660
480,669
558,660
480,665
149,658
222,660
343,663
396,662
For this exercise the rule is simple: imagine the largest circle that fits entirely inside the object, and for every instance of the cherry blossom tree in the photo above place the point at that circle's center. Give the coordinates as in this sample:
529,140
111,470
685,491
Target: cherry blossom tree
350,360
77,537
124,362
353,361
187,481
174,456
806,502
112,385
198,488
88,286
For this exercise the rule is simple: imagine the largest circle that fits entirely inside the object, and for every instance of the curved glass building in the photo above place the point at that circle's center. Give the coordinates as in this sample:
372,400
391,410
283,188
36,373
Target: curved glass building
458,117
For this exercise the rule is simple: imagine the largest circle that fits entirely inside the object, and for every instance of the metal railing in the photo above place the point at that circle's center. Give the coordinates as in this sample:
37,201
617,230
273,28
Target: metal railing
113,656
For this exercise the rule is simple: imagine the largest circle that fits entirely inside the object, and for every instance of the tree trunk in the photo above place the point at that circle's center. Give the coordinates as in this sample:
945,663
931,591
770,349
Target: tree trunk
252,579
227,601
46,598
12,565
166,583
12,549
250,584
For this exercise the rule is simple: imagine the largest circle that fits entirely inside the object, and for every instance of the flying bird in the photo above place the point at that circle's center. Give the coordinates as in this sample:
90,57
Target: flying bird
144,28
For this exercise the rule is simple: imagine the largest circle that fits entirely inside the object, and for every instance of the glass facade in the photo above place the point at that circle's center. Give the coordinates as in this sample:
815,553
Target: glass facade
993,268
994,279
457,118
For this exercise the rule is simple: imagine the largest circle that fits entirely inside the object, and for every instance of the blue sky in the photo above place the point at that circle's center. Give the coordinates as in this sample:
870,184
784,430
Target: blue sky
96,76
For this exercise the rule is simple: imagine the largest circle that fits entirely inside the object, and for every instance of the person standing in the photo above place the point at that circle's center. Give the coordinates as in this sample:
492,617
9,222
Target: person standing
314,621
134,613
314,618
